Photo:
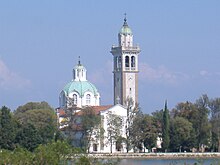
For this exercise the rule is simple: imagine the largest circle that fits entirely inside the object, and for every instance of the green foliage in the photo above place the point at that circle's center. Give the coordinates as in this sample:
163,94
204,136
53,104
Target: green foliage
83,161
151,132
131,113
115,125
196,113
214,105
52,153
89,124
28,137
21,156
8,129
18,156
181,133
41,116
143,131
33,105
158,119
136,131
166,129
203,126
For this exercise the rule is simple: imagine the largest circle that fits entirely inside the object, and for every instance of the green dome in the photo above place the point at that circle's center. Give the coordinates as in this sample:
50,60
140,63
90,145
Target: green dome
125,29
80,87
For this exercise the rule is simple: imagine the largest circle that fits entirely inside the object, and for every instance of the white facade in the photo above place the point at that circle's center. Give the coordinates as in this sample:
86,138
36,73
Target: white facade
125,57
104,145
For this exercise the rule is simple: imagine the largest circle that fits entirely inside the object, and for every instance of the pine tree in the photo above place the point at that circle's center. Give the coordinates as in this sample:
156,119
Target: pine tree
165,129
8,129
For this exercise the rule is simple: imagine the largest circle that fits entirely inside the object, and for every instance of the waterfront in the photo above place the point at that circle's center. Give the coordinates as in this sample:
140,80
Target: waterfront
191,161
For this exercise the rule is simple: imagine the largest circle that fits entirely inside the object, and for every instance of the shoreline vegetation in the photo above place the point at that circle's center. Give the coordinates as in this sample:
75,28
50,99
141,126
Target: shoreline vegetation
154,155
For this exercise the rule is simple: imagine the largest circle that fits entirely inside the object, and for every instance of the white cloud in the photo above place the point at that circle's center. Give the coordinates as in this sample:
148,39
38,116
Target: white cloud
210,76
160,74
203,73
10,79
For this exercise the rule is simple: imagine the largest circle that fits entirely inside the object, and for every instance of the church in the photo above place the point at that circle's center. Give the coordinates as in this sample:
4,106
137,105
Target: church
80,92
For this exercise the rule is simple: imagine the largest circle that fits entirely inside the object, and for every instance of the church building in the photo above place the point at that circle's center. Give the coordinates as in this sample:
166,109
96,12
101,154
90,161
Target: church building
80,93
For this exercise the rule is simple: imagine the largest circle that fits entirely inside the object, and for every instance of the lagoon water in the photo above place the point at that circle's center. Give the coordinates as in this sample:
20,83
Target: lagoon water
210,161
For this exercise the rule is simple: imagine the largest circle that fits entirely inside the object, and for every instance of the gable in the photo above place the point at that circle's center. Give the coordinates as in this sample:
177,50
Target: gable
116,109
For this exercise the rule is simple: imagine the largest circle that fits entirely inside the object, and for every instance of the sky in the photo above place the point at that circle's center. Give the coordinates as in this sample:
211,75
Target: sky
40,42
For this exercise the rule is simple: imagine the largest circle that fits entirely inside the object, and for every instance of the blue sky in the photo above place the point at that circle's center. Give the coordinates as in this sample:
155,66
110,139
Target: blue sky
40,42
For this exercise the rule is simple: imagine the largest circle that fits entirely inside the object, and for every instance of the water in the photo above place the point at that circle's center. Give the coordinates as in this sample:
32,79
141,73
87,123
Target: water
210,161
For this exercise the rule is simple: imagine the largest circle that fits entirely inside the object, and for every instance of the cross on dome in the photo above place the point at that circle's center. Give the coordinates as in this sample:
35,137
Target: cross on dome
125,20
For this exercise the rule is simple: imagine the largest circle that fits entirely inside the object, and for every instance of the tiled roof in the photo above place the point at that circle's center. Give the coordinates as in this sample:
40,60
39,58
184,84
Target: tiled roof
97,110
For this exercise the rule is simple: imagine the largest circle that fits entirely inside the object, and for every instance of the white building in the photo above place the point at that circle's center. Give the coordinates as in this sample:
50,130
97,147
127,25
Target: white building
81,93
104,144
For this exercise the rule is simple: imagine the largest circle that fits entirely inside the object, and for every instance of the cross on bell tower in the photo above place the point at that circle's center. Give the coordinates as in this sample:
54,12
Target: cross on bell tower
125,57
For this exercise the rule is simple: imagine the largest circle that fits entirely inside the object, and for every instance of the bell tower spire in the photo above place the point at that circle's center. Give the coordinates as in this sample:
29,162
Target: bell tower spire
125,57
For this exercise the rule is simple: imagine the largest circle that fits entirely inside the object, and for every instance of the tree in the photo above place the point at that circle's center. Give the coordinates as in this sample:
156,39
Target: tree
144,132
158,120
28,137
165,129
150,131
214,105
8,129
53,153
203,126
114,128
41,116
188,111
90,122
181,133
137,131
196,113
132,110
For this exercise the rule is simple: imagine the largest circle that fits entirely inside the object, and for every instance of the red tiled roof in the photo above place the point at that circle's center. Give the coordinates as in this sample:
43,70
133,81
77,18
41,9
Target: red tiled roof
97,110
61,112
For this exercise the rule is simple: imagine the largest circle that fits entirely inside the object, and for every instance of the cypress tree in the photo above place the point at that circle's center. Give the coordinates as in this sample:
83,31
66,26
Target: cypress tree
165,128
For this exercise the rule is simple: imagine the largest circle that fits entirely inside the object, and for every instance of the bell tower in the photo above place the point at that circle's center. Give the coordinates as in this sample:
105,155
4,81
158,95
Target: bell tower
125,70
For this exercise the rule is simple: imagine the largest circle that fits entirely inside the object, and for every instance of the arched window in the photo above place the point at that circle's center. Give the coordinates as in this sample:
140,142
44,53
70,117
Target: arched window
74,99
133,62
127,62
88,99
